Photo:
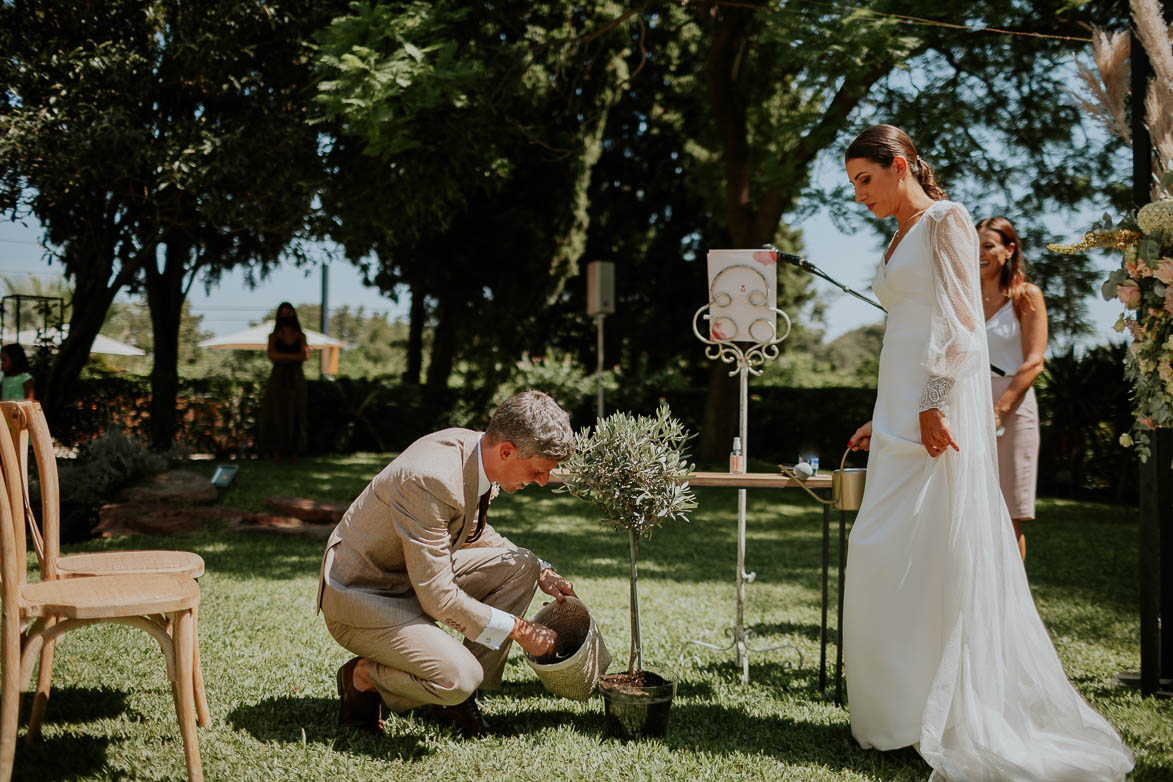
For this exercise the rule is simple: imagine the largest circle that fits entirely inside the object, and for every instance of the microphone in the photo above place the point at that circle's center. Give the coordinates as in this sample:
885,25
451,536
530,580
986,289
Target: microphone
793,260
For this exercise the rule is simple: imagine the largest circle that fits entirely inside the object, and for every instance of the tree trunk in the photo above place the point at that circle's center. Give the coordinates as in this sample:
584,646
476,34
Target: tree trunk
635,661
727,99
89,311
415,336
95,290
752,225
717,426
165,300
443,345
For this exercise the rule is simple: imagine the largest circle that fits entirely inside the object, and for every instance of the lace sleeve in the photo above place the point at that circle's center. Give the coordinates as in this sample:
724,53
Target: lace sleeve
936,393
956,335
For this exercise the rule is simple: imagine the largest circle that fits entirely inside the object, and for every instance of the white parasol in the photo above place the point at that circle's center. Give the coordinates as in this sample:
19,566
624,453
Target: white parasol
102,344
257,338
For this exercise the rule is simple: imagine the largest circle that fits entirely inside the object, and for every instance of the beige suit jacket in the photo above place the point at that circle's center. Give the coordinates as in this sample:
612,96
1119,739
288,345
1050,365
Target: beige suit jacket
393,548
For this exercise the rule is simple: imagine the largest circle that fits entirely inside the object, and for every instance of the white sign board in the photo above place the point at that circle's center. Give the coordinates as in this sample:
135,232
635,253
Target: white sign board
743,292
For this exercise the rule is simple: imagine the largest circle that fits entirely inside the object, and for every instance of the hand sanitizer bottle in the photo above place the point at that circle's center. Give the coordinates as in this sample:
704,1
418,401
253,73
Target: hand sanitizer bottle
736,457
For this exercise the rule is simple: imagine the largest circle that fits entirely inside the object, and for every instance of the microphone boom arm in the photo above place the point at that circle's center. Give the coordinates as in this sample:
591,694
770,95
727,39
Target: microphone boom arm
815,270
807,266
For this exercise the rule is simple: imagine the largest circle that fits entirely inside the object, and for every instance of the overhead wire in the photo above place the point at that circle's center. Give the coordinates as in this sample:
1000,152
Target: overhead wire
903,18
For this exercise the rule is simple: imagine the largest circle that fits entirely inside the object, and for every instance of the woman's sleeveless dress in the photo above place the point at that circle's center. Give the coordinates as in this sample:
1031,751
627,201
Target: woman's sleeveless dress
1018,445
944,648
281,423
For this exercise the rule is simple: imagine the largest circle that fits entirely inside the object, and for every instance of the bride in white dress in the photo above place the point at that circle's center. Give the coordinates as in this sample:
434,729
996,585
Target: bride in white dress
944,649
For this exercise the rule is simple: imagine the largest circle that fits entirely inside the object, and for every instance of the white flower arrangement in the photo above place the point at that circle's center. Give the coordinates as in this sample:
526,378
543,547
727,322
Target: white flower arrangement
1144,285
1156,217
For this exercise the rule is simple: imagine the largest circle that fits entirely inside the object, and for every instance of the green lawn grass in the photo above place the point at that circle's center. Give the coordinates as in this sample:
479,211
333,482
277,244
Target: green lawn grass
269,662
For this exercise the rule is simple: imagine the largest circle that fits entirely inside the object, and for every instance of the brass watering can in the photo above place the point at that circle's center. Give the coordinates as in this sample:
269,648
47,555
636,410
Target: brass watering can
846,485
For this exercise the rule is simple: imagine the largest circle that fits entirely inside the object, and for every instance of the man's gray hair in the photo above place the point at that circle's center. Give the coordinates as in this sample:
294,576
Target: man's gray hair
535,424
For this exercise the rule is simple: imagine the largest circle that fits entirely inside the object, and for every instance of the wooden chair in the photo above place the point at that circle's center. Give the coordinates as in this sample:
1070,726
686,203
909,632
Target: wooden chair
26,420
35,614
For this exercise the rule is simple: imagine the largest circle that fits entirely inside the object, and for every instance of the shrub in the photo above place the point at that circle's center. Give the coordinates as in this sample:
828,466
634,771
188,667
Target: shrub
105,465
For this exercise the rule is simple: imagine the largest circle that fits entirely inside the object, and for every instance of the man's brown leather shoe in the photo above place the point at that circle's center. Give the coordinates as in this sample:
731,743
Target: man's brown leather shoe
465,717
362,710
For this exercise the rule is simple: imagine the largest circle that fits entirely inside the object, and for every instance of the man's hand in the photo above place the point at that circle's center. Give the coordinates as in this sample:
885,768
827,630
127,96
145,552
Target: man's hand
536,639
555,585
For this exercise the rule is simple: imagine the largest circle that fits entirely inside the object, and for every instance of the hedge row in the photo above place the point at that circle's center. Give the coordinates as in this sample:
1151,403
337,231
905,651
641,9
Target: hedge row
217,415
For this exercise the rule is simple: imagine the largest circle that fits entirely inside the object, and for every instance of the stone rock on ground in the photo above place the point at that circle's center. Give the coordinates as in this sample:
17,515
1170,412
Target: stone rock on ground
263,523
161,505
314,511
150,518
173,486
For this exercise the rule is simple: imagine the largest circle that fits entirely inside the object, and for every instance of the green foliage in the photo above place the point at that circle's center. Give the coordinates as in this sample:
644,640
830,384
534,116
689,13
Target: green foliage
106,464
1084,407
158,144
382,64
130,322
850,360
559,375
632,468
216,414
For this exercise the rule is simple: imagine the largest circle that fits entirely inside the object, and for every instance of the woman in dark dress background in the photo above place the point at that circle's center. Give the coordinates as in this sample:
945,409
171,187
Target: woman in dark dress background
282,424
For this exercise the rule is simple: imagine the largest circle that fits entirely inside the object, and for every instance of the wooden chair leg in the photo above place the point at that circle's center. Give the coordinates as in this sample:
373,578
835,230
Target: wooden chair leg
41,695
201,699
184,639
9,700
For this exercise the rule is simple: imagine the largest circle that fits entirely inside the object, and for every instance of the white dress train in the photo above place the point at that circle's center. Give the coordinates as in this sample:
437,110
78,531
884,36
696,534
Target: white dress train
944,648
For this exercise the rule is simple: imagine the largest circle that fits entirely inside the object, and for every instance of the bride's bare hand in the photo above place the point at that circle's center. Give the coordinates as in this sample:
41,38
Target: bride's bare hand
862,439
934,432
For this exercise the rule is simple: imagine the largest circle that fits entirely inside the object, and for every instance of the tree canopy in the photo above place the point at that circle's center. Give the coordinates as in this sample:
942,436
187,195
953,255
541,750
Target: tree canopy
474,155
693,126
172,144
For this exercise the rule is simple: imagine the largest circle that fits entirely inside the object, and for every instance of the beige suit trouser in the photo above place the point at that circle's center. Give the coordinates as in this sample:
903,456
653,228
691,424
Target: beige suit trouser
419,662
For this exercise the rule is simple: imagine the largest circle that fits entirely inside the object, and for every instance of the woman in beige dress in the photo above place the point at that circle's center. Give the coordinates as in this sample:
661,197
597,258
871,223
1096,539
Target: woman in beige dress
1016,329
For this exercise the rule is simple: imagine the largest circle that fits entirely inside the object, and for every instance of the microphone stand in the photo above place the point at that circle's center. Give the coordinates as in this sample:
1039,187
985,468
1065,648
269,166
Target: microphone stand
807,266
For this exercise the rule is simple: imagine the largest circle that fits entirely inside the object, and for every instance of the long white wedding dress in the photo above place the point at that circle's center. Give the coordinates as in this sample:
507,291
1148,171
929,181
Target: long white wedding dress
944,648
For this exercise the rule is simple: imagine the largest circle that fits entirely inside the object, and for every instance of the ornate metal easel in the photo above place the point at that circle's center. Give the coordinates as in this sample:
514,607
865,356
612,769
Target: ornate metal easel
747,359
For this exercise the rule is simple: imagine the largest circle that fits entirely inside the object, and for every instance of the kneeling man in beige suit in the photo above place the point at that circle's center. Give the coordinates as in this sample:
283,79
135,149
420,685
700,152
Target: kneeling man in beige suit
415,550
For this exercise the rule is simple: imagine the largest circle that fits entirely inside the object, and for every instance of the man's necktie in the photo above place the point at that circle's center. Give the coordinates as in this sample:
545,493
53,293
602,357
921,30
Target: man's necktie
482,512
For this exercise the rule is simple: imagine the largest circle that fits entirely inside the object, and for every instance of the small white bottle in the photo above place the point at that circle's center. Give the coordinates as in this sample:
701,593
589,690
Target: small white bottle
736,457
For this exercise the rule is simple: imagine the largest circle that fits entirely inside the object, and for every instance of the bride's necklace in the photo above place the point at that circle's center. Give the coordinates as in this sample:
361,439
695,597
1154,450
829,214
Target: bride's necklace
903,229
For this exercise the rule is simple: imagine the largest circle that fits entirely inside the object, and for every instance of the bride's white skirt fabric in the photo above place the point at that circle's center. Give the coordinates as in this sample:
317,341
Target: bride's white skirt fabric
944,648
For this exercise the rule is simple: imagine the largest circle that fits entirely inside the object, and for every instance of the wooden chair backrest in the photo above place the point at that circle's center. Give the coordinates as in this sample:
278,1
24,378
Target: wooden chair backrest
13,564
26,421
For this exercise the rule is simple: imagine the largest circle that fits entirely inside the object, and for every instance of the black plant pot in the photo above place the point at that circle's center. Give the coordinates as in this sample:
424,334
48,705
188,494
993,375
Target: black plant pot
635,711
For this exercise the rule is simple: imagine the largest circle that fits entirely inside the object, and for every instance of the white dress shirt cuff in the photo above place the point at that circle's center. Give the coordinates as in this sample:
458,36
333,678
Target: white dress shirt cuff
497,630
544,565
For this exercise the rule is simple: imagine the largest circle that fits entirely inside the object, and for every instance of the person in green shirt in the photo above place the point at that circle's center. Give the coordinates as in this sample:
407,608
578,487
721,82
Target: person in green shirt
16,383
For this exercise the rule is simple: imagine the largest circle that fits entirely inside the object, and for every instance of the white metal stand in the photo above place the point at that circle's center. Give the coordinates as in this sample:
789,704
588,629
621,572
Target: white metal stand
747,358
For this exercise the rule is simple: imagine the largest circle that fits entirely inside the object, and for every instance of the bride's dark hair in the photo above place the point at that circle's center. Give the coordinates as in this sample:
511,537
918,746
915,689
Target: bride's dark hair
882,143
